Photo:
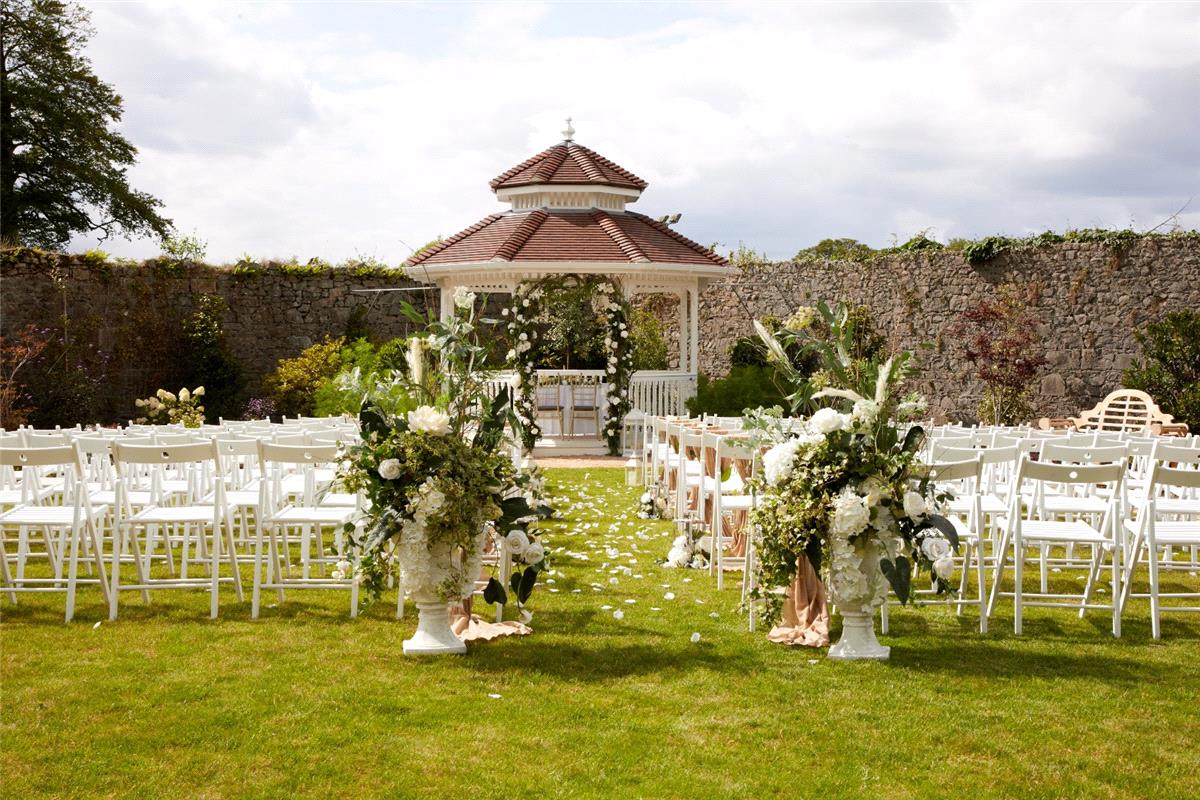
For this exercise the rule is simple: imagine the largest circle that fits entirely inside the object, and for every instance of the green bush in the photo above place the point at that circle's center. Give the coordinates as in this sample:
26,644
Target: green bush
294,383
1170,368
649,345
209,361
743,388
360,366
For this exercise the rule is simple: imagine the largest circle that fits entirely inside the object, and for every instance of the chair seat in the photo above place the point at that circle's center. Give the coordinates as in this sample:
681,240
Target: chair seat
1169,505
241,498
108,497
1177,533
988,504
1052,531
339,500
736,502
57,516
1061,504
173,514
318,515
965,534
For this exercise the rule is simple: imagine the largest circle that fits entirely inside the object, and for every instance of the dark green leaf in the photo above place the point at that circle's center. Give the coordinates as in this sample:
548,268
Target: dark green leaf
899,575
946,528
494,592
528,579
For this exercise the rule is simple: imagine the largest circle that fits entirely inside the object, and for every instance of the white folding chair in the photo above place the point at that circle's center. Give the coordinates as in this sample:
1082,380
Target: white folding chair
74,522
731,496
1154,529
277,513
1024,528
201,525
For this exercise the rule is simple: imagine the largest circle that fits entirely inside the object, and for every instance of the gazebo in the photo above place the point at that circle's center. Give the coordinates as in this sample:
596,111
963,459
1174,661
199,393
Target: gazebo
568,217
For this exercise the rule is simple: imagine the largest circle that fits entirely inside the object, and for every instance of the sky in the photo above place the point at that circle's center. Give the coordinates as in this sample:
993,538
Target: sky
365,129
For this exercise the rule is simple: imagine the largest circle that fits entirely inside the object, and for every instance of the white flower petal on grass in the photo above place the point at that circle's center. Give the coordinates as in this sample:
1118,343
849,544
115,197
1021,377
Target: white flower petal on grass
494,696
618,614
696,637
715,615
606,608
669,596
97,625
630,602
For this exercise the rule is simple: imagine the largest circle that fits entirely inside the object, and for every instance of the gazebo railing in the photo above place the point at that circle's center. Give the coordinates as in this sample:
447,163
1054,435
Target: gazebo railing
654,392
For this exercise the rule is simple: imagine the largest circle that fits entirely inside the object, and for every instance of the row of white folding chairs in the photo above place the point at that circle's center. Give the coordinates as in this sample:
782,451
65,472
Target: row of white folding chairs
201,524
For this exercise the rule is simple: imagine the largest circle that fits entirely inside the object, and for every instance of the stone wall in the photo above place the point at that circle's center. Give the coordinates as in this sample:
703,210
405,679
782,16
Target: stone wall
1087,297
132,311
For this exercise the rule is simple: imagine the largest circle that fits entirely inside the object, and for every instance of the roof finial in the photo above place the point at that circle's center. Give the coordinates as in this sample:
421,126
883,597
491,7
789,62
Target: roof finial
568,132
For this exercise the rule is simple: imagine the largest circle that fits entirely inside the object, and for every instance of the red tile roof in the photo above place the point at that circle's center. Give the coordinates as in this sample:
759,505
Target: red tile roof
593,235
567,162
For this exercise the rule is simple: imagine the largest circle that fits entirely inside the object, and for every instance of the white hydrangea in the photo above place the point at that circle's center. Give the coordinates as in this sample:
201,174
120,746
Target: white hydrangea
850,515
427,419
828,420
778,461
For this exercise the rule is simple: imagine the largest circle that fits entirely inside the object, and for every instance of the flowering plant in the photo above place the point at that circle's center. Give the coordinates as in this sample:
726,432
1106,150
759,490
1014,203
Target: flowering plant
434,466
618,352
165,407
843,487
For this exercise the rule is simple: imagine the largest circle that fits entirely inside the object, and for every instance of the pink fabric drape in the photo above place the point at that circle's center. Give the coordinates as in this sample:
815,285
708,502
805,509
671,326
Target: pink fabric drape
805,611
474,628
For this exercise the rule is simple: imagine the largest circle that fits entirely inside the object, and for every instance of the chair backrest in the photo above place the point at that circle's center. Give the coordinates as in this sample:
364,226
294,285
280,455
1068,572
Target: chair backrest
950,471
56,456
55,439
1066,454
191,453
297,454
1081,474
177,438
1176,454
1162,475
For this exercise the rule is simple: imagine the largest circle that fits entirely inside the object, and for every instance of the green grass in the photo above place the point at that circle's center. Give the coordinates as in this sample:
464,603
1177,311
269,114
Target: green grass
309,703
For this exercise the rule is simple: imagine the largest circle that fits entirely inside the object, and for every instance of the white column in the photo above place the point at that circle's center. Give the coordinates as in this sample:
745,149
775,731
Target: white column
694,311
683,331
447,301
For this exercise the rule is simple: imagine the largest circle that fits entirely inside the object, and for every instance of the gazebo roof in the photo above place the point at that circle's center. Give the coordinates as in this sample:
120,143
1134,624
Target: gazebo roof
545,235
568,163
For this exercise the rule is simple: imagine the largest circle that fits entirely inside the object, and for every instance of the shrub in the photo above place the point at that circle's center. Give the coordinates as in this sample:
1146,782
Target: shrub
838,250
743,388
294,383
649,344
356,324
1170,368
179,249
207,358
999,339
17,352
259,408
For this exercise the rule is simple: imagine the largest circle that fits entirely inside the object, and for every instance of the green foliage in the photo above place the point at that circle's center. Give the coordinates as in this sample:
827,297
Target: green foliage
1169,370
920,242
95,257
63,165
294,383
392,355
357,326
181,249
572,328
208,360
745,387
838,250
343,392
649,344
986,249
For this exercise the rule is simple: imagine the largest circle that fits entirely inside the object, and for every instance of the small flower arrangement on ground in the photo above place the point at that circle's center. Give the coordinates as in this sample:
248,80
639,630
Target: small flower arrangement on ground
844,489
164,408
650,505
685,552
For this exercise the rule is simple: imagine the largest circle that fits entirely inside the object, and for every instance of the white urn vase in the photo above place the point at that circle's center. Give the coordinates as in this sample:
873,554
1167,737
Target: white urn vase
857,611
433,636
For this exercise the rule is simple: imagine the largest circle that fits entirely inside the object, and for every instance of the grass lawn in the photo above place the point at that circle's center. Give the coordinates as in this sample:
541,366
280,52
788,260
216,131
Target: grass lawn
309,703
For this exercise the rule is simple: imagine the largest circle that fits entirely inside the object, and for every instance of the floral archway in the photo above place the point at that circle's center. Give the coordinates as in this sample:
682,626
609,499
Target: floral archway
521,316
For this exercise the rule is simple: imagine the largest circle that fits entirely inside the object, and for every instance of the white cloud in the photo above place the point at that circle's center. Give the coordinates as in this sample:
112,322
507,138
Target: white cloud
333,130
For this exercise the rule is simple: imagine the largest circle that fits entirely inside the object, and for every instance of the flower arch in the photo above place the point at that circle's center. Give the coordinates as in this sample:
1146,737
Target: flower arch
618,350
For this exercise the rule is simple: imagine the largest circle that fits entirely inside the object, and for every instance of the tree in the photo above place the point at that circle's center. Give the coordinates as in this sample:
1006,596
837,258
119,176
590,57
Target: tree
62,165
1170,368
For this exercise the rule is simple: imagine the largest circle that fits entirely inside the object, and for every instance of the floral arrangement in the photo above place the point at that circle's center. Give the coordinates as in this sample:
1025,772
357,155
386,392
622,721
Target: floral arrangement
685,552
436,469
651,505
618,348
619,369
523,333
164,407
843,487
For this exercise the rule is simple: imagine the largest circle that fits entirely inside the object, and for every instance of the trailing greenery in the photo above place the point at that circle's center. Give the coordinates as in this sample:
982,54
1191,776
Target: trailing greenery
649,344
980,251
1169,370
63,164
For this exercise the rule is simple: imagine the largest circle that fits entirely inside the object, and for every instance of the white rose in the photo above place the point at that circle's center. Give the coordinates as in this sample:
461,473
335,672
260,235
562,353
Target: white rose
827,420
914,505
935,548
873,489
534,553
517,542
944,567
344,566
389,470
427,419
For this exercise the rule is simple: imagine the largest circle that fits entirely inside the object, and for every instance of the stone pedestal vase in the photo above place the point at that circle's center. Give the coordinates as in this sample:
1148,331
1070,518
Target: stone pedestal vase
433,636
858,640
